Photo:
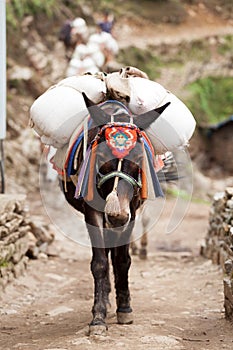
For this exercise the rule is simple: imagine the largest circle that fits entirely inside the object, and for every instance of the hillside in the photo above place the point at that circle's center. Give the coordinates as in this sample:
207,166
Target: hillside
163,33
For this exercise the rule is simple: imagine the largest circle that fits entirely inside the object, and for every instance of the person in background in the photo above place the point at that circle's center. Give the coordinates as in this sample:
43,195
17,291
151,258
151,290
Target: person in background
107,23
71,33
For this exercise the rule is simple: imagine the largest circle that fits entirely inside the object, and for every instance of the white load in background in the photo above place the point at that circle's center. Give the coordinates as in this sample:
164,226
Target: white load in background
92,56
61,109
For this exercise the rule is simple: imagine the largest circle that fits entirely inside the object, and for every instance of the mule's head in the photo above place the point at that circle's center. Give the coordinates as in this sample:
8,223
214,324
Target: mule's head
120,158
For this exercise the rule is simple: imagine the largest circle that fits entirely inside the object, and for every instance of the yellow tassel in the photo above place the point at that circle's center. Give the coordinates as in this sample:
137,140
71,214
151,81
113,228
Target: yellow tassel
112,206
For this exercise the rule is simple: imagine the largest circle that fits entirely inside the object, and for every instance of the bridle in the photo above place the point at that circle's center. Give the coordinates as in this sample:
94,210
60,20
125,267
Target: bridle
102,178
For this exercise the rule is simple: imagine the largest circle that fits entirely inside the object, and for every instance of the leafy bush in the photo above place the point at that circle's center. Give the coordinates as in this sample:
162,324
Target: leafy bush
226,45
142,59
211,99
16,10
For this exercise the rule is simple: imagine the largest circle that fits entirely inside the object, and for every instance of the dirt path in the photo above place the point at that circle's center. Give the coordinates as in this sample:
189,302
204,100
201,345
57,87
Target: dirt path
177,297
199,24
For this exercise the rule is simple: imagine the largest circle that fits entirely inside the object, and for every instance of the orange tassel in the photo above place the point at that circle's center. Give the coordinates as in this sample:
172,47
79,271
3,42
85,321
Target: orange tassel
144,193
90,192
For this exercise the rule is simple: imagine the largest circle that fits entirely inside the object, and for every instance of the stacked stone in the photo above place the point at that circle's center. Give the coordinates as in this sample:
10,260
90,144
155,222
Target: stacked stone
219,242
20,239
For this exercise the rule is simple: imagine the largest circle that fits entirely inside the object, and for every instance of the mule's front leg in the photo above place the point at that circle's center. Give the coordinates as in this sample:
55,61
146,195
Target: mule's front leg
99,268
121,263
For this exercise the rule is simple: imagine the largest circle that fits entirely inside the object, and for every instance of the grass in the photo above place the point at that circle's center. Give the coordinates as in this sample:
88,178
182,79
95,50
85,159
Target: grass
4,263
16,10
142,59
211,99
226,46
154,58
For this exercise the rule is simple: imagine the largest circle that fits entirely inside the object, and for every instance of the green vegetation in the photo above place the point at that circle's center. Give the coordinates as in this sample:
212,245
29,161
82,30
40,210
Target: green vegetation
197,50
16,10
211,99
142,59
154,58
4,263
226,45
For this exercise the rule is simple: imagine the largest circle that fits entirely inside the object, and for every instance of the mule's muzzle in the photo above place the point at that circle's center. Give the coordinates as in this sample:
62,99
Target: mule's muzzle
117,220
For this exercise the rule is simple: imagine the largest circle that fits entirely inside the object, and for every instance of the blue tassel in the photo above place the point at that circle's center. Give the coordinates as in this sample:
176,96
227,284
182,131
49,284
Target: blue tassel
156,184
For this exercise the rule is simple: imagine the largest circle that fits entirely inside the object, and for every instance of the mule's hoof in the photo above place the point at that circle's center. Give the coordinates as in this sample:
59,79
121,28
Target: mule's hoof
97,330
124,317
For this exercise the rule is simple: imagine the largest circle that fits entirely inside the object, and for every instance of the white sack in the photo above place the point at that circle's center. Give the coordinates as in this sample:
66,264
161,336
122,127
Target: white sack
56,113
61,109
174,128
80,52
104,40
145,94
112,45
76,67
94,88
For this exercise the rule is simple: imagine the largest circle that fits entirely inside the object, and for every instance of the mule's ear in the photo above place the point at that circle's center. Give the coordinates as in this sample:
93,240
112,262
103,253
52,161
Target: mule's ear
96,113
87,101
144,120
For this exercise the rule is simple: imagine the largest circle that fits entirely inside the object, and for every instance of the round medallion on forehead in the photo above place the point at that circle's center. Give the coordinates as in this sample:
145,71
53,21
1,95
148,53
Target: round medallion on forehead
121,140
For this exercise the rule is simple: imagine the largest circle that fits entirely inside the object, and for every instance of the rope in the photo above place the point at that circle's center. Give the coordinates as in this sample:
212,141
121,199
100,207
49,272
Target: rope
116,181
112,206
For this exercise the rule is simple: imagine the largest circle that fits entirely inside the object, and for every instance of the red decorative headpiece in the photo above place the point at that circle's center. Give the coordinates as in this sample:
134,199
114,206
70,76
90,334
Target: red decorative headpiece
121,140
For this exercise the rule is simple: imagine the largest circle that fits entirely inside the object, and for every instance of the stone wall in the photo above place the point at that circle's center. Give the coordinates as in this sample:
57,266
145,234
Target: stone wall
218,244
20,237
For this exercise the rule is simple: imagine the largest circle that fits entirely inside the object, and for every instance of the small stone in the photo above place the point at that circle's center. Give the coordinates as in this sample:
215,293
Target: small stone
230,203
229,191
55,277
81,341
228,266
160,341
8,312
59,310
218,196
157,323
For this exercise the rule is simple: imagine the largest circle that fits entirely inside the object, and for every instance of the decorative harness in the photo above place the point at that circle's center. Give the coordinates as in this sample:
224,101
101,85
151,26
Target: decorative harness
121,138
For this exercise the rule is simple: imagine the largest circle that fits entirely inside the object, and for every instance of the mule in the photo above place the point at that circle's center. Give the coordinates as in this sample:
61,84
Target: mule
110,189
